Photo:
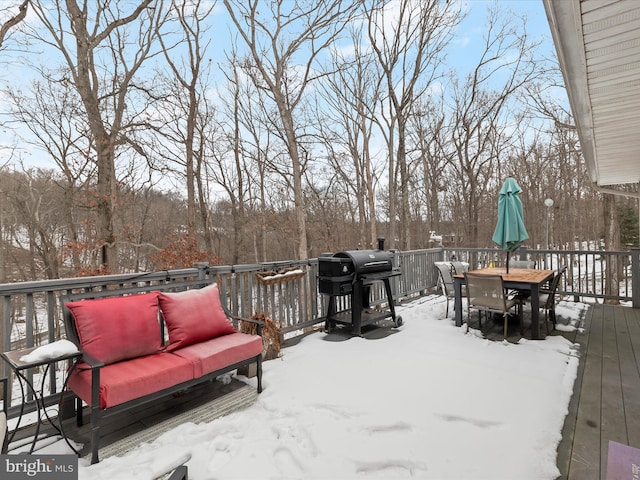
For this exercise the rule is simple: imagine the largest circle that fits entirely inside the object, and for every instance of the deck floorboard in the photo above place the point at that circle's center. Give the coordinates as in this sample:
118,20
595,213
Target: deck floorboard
606,401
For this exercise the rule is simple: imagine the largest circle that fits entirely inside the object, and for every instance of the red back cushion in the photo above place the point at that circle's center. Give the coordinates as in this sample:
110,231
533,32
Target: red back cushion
118,328
193,316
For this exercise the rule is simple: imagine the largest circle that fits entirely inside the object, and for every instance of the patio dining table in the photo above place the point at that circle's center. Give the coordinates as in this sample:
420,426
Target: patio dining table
523,279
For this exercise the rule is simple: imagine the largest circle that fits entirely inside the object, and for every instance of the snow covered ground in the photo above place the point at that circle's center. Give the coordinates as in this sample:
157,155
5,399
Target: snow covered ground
426,401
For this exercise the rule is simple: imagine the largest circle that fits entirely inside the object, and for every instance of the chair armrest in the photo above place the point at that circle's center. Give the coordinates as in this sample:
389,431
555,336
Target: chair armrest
179,473
91,361
96,367
258,323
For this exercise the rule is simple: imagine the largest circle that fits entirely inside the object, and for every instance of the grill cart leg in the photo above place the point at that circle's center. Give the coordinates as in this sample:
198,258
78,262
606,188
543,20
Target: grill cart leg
329,324
397,320
357,301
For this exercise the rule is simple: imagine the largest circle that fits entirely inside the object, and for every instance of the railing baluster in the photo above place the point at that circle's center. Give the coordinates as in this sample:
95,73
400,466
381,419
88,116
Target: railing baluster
297,303
5,337
635,277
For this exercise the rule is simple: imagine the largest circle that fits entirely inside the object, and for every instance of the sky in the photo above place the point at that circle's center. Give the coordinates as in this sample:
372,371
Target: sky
423,401
470,30
462,53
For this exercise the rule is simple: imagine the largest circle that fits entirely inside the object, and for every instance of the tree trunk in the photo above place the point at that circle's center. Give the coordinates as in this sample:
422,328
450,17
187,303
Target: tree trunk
611,242
106,196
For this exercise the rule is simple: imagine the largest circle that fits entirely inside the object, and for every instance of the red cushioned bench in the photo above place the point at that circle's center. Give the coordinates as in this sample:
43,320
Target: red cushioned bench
128,359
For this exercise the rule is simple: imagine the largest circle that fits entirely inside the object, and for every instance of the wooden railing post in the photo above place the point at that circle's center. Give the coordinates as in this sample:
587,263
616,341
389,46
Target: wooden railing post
635,277
5,344
523,253
202,270
394,282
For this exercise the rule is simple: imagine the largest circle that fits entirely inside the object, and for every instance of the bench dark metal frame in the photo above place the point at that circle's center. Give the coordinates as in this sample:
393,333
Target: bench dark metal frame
180,473
96,413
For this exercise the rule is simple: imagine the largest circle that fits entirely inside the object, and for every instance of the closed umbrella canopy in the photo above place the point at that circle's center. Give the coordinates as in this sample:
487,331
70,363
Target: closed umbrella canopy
510,231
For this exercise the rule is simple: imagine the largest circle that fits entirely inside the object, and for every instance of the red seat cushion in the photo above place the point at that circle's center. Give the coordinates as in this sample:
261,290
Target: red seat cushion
193,316
212,355
124,381
117,328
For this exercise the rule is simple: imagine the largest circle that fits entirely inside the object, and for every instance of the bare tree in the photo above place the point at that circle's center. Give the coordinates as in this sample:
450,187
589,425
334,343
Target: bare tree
50,112
252,144
480,114
277,34
13,20
429,140
189,68
558,157
612,242
408,39
103,48
228,165
36,204
351,92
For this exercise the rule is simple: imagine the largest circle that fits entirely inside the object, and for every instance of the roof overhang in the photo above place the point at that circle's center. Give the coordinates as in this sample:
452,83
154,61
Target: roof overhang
598,45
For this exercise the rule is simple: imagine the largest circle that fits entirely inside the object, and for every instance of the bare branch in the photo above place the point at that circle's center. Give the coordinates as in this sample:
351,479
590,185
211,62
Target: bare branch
13,21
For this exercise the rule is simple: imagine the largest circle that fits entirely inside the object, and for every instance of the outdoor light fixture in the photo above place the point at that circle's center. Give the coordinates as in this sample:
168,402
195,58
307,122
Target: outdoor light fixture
548,202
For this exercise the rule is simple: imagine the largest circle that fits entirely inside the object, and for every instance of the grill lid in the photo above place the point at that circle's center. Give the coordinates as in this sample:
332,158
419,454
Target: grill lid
367,261
334,266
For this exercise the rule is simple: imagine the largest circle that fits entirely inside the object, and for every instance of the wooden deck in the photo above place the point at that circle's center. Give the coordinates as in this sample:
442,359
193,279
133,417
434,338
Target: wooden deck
606,400
135,424
605,404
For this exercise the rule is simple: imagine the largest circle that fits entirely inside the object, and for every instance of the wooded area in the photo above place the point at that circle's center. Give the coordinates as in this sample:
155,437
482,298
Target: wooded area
325,125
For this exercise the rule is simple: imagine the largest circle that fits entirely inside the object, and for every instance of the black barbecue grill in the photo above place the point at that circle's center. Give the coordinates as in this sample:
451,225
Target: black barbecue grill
352,273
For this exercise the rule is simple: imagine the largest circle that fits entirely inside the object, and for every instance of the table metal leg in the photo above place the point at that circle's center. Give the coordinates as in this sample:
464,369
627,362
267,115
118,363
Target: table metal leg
457,301
535,313
40,407
4,436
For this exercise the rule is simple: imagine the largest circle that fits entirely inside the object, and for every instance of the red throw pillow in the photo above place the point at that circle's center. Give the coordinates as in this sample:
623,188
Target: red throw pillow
193,316
118,328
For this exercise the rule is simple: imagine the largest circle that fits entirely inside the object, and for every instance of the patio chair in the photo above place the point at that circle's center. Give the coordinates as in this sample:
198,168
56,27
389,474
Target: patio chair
522,263
459,267
445,281
519,295
486,293
548,299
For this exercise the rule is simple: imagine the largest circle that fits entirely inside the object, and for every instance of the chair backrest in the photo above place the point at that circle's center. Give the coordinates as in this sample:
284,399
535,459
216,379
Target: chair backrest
459,267
446,279
522,263
486,291
551,298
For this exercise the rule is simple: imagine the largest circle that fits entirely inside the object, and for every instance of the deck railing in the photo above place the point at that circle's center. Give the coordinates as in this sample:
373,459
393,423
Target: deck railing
594,275
31,313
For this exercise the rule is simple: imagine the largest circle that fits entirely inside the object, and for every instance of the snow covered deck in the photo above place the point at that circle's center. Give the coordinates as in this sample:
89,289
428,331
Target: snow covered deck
605,405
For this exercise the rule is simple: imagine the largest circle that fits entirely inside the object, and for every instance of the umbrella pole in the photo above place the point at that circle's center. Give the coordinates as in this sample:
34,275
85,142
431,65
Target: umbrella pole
508,261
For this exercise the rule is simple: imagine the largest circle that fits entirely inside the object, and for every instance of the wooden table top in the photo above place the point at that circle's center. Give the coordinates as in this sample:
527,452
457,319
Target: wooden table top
525,275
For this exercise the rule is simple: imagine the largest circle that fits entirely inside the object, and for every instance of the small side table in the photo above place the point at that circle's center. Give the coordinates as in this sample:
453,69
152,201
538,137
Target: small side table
3,416
19,367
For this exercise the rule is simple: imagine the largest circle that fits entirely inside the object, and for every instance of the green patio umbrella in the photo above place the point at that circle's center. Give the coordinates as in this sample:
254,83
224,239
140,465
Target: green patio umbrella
510,230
